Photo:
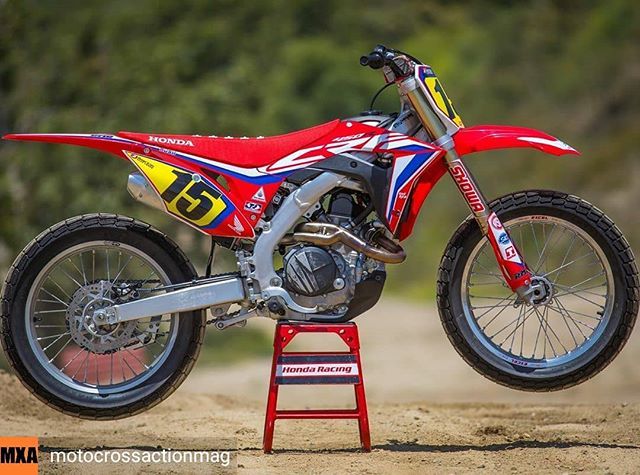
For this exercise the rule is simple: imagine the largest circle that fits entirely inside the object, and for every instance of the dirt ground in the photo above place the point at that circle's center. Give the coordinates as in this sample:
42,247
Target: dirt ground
429,413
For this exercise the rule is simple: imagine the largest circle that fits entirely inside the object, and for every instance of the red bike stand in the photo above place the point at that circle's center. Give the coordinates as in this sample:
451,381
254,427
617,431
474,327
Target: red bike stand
333,367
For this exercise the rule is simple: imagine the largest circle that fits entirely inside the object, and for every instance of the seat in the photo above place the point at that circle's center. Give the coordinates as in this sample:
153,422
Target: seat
242,152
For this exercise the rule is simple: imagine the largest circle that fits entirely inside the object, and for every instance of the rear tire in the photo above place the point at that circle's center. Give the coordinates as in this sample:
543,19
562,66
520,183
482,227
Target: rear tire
112,230
524,374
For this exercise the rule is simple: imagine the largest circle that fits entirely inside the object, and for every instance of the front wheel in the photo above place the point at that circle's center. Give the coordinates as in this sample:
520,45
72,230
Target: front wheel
67,358
591,294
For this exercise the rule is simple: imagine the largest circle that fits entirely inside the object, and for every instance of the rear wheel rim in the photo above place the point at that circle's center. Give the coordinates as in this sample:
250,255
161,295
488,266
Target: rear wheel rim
553,334
70,352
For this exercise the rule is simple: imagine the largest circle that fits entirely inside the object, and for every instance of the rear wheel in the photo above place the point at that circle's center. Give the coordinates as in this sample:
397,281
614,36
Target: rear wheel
588,304
61,353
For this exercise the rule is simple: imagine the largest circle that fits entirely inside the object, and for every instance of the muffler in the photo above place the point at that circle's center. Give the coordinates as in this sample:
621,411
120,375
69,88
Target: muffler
325,234
141,190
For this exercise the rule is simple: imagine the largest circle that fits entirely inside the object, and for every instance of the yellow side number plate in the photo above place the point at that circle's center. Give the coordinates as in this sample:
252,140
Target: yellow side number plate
185,194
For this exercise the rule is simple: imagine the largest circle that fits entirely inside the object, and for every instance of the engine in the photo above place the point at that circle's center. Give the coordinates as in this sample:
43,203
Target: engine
339,280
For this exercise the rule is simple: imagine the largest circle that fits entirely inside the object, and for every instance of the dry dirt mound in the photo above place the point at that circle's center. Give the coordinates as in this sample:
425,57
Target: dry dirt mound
407,438
429,413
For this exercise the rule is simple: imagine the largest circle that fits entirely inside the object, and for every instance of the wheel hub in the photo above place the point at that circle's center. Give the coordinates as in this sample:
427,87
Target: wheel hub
87,328
541,291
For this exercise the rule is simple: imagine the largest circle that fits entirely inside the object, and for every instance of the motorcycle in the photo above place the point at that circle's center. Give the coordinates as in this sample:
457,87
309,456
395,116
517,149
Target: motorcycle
103,316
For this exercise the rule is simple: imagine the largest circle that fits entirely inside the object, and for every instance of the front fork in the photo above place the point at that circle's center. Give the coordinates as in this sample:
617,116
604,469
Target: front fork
512,265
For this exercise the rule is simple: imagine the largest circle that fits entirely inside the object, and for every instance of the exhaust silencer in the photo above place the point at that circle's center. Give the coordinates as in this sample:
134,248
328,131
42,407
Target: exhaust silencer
141,190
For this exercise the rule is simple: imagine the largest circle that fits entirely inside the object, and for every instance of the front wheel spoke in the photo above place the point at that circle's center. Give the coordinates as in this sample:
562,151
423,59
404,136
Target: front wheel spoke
544,322
535,346
512,331
566,291
549,327
564,259
488,311
564,309
564,319
570,263
535,240
547,239
575,322
575,312
583,298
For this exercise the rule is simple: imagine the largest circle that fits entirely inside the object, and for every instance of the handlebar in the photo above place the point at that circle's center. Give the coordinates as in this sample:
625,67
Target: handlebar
400,63
380,56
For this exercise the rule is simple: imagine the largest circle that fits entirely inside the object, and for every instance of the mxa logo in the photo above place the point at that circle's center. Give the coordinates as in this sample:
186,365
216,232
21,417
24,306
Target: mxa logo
19,455
170,141
468,190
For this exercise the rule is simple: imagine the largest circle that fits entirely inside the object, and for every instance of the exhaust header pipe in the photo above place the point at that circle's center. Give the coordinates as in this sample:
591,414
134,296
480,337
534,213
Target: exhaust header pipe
325,234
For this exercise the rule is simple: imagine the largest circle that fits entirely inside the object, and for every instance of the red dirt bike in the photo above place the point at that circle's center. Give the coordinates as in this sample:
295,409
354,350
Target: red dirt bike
103,316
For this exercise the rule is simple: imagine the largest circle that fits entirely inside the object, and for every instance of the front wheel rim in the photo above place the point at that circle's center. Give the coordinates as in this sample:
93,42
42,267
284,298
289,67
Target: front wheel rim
548,336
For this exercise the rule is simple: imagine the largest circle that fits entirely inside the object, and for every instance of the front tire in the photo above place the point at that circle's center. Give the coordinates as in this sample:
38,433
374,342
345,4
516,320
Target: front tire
604,285
72,365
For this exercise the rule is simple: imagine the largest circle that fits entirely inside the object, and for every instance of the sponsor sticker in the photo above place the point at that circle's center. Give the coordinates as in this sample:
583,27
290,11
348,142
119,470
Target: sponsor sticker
468,189
323,369
503,238
252,207
170,141
237,226
259,195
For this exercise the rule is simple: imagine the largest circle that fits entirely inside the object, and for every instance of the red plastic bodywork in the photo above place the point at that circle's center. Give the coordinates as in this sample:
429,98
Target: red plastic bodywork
275,156
480,138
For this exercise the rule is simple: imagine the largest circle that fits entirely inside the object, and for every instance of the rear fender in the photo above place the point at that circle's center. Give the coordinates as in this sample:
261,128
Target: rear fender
490,137
104,142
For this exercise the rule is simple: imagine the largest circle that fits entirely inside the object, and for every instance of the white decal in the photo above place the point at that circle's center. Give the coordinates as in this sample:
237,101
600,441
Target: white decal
322,369
552,143
259,195
170,141
237,226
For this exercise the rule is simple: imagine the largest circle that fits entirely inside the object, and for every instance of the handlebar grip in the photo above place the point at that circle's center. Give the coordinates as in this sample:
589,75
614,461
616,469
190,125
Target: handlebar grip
373,60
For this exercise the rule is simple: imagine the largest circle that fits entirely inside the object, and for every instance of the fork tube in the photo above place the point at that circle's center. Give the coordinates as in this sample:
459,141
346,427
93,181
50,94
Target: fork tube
512,266
469,189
